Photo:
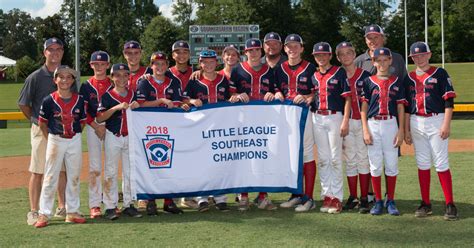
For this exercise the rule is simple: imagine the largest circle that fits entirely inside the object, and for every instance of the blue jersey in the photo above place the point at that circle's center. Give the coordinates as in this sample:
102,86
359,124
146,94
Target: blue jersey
63,117
244,79
150,90
294,81
383,96
117,123
182,77
427,93
330,89
91,91
208,91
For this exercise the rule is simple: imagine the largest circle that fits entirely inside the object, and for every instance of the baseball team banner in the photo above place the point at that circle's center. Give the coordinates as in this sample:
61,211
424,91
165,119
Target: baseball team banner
216,149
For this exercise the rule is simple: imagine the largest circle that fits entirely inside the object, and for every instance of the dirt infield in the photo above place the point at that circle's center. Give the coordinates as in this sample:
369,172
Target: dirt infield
14,170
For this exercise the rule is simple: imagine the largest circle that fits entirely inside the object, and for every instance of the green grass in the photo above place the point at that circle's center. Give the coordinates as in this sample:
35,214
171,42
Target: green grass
259,228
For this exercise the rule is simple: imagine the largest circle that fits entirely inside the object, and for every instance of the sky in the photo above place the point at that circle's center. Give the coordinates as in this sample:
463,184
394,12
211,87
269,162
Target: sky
44,8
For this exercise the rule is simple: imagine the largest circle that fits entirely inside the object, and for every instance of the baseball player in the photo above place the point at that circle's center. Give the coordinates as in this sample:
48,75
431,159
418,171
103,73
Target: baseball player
332,108
62,118
273,46
293,81
160,90
112,111
38,85
210,88
430,95
354,148
92,91
383,98
132,51
231,58
181,70
252,80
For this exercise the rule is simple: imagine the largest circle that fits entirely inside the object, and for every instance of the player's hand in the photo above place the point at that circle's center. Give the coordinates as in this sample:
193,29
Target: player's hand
408,139
367,138
398,140
299,99
100,131
196,102
244,97
344,129
195,75
146,76
279,96
444,131
169,104
269,97
134,105
121,106
309,100
234,98
185,106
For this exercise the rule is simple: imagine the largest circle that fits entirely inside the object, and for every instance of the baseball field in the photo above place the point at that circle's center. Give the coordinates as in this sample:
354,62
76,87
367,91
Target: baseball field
255,228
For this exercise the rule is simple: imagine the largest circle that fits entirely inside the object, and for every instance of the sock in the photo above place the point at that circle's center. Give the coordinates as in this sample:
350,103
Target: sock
309,174
244,195
377,187
262,195
352,182
424,178
391,182
447,184
168,201
364,184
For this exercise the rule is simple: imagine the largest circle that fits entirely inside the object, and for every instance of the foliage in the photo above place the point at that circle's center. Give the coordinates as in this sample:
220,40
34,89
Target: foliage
159,35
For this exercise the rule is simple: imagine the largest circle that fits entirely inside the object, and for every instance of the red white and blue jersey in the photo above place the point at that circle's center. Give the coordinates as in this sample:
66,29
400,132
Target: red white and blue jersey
427,93
182,77
355,83
244,79
117,123
91,91
294,80
151,90
135,76
63,117
217,90
330,89
222,72
383,95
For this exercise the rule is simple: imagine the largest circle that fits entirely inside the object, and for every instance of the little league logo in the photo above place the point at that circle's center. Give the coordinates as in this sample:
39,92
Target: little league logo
159,151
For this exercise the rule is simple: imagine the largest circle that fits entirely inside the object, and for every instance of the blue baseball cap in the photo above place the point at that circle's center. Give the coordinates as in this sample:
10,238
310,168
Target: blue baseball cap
293,38
382,51
158,56
418,48
253,43
119,67
322,48
99,56
344,44
272,36
373,29
206,54
180,44
132,45
52,41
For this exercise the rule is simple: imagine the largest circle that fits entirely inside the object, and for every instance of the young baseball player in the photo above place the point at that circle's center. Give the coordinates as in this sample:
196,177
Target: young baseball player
354,148
332,108
210,88
112,111
92,91
383,98
430,95
132,51
160,90
231,58
181,70
62,118
293,81
252,80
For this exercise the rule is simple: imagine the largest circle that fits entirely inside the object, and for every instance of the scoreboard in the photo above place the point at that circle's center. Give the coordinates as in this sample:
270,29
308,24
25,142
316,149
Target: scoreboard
217,37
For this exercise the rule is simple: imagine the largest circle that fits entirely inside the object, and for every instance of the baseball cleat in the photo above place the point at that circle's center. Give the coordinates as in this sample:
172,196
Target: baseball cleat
222,207
244,204
335,207
172,208
142,204
60,213
32,218
132,212
75,218
189,203
203,207
392,208
111,214
42,221
151,208
423,210
451,212
377,209
307,206
371,197
326,203
352,202
364,206
95,212
266,204
292,202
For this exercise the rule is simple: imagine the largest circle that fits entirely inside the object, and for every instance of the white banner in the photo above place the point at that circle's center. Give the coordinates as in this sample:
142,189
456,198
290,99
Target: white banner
216,149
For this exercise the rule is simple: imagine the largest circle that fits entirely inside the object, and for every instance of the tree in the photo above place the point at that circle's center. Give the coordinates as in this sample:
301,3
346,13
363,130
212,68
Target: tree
225,12
51,27
275,16
182,12
144,11
159,35
19,38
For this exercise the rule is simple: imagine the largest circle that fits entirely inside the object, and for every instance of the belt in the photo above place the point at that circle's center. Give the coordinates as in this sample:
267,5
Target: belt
382,117
65,136
121,135
326,112
427,115
357,119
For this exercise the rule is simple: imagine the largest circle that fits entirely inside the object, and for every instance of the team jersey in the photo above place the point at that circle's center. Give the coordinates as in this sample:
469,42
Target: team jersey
330,89
63,117
427,93
91,91
150,90
244,79
383,95
133,79
117,123
182,77
296,81
208,91
222,72
355,83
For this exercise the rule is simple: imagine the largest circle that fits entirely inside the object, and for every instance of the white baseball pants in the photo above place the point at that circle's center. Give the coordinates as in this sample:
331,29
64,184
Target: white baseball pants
95,146
355,150
383,151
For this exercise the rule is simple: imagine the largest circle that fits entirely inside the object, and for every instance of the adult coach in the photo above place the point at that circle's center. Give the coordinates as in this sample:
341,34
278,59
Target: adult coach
273,46
38,85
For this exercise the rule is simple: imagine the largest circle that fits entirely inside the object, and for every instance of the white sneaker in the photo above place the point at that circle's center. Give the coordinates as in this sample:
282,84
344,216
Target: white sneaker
291,202
60,213
189,203
308,205
266,204
32,218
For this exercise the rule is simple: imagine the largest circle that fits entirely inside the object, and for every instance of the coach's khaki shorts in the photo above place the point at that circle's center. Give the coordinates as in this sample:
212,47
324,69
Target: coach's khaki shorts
38,151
